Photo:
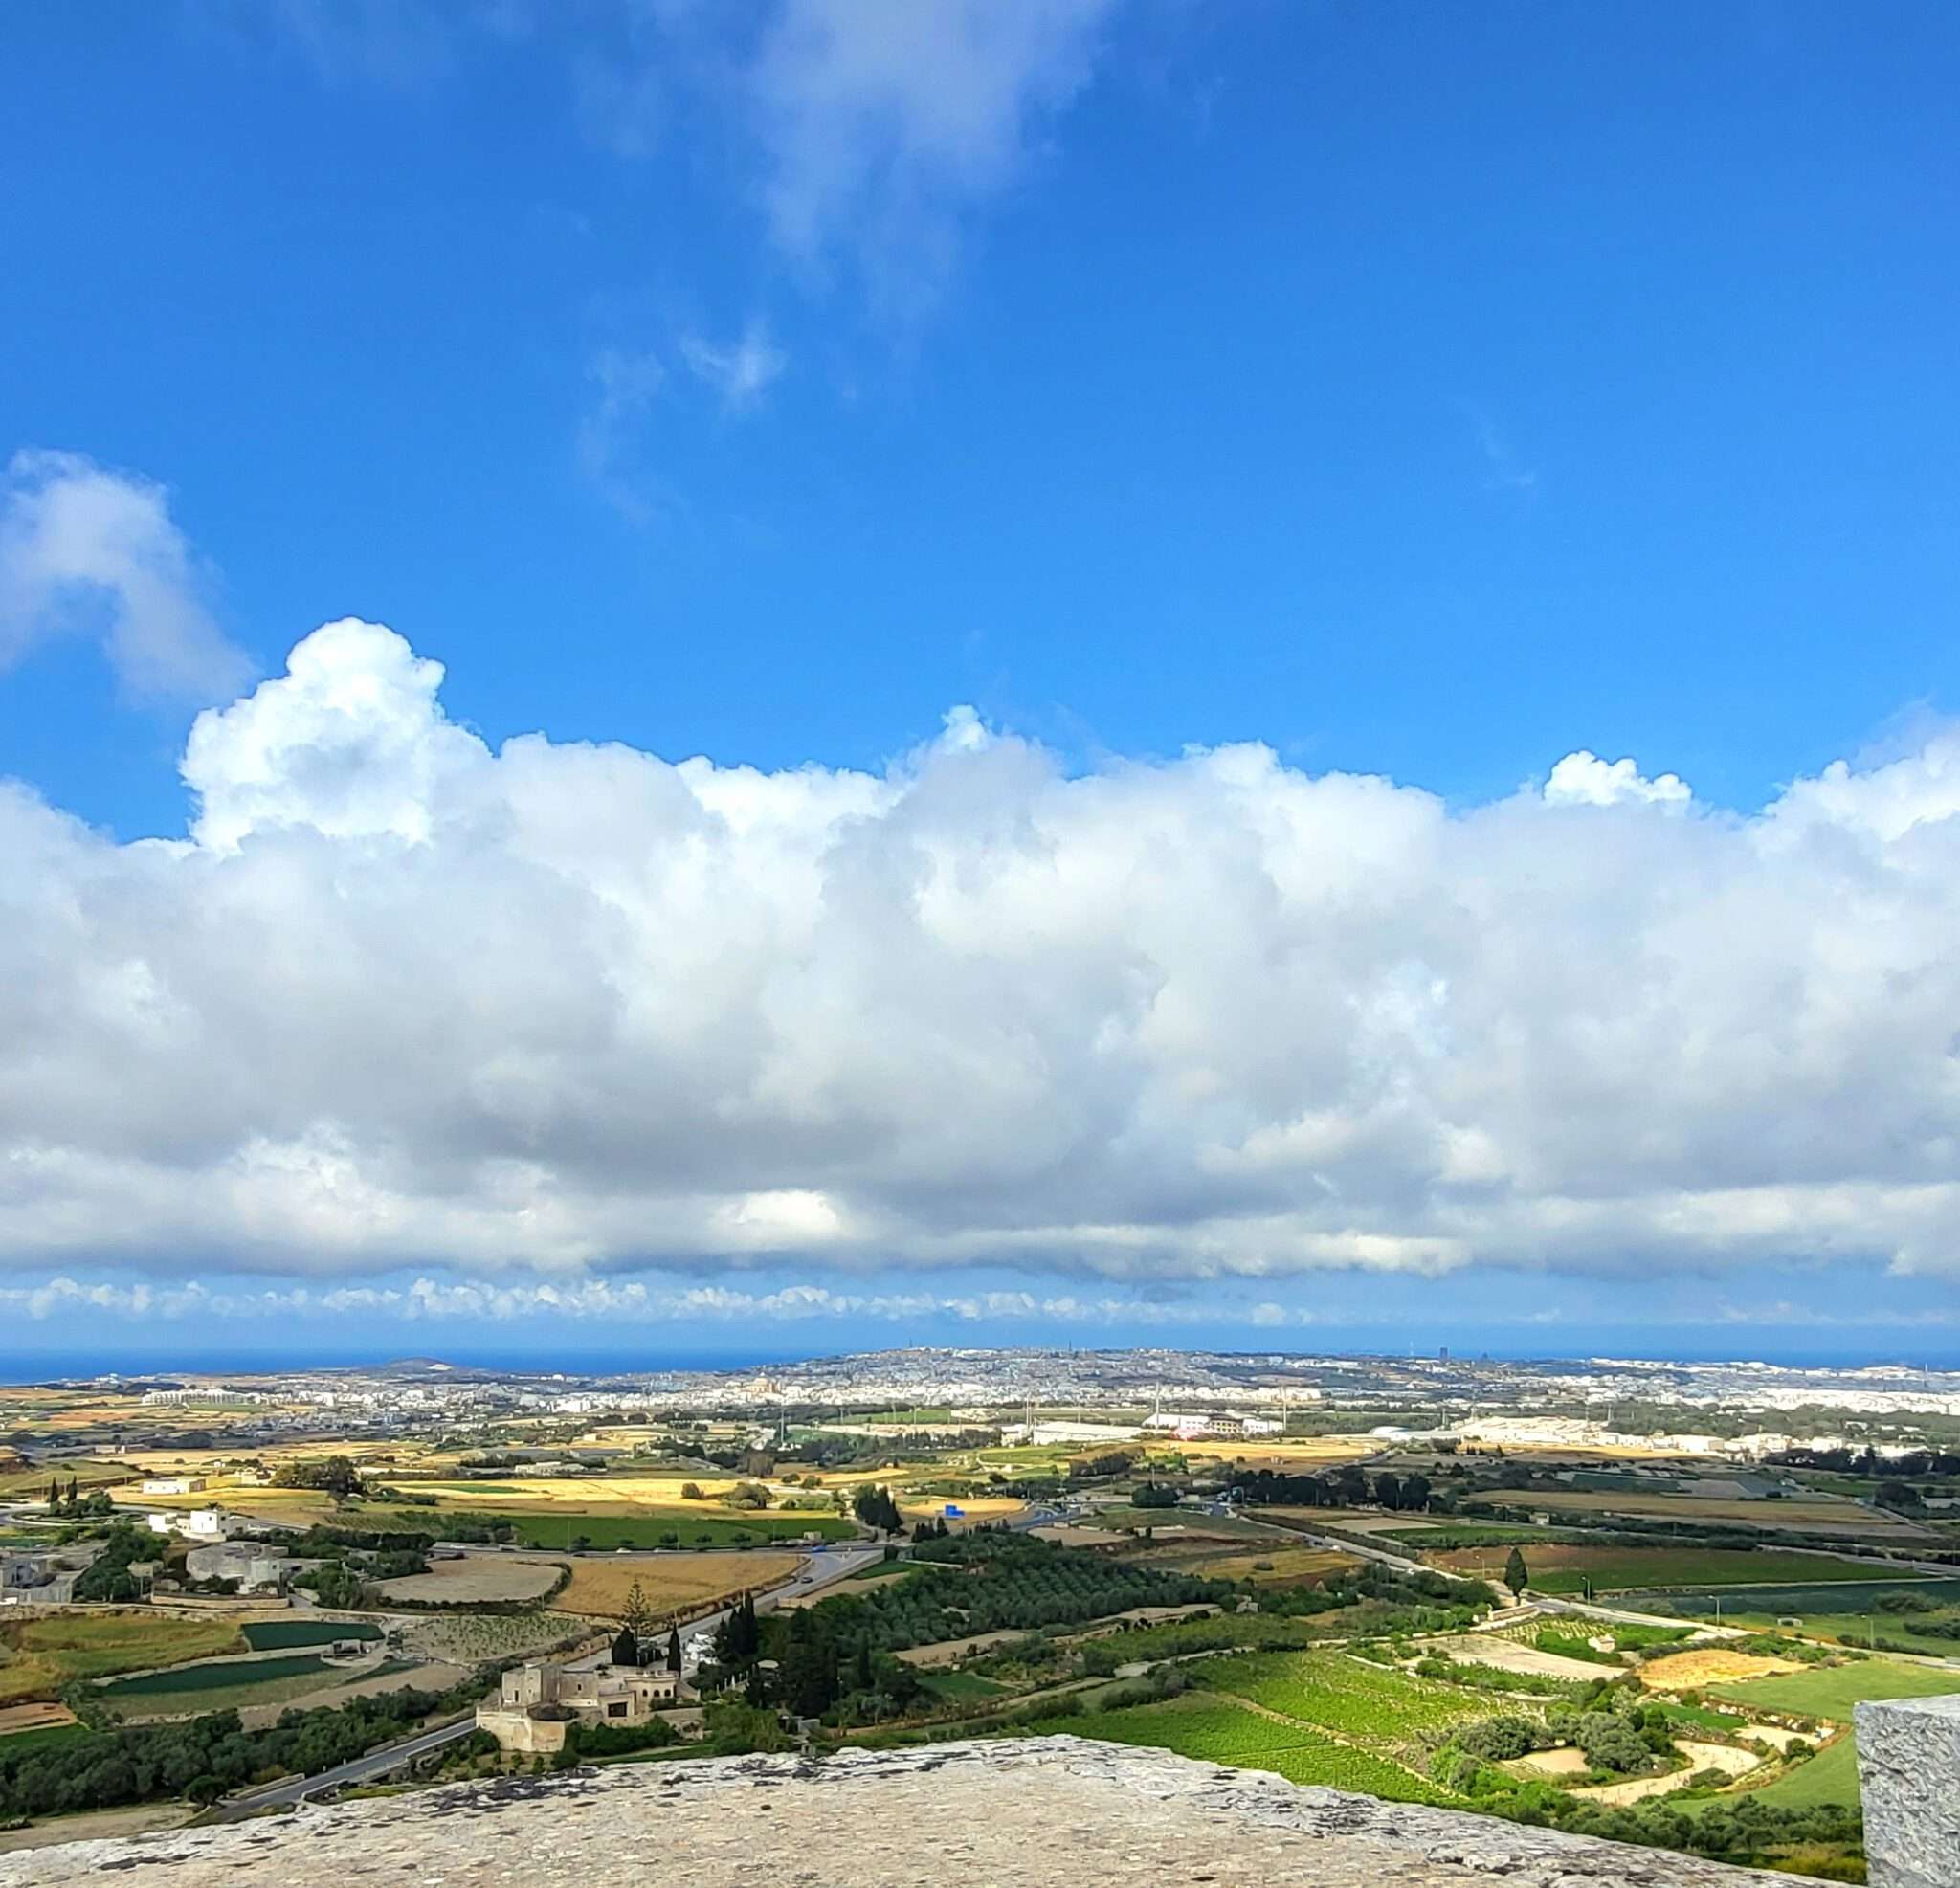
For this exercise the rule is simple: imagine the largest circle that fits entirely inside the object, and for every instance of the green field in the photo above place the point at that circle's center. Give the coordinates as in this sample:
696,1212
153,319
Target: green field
38,1656
27,1744
1831,1776
220,1675
678,1530
959,1687
1830,1690
1335,1693
277,1634
1223,1733
1649,1571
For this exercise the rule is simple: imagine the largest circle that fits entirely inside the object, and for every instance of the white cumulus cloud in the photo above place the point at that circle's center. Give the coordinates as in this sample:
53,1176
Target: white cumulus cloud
89,551
403,999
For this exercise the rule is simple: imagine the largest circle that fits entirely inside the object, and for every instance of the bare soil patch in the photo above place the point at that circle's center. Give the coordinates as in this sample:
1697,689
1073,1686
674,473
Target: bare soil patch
475,1577
1508,1656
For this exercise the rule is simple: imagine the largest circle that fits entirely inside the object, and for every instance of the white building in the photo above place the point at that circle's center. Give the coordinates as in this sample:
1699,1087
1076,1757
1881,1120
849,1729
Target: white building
174,1484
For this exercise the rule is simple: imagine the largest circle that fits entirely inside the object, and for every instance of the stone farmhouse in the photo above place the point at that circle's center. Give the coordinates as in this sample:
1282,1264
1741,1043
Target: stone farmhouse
537,1701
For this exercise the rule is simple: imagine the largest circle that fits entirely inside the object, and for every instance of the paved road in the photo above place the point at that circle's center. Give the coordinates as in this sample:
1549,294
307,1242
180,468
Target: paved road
376,1764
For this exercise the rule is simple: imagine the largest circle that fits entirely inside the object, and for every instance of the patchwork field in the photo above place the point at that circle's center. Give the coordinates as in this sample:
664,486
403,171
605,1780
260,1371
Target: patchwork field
227,1685
1220,1731
1564,1569
1830,1690
1819,1514
1274,1565
1347,1695
674,1583
38,1656
621,1512
473,1579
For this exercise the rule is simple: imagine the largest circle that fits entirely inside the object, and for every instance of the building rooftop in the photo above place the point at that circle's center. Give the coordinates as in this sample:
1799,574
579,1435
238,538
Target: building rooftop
1019,1814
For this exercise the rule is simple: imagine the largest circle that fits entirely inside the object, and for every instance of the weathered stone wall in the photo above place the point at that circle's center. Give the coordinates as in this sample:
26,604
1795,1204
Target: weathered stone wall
1909,1774
1048,1812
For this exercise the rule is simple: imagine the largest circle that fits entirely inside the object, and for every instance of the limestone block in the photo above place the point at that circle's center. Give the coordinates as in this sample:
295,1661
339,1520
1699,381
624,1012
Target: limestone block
1909,1773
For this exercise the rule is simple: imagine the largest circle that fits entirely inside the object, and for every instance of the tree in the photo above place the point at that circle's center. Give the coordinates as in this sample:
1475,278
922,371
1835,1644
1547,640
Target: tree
1517,1576
1387,1490
54,1493
73,1491
1415,1492
626,1647
674,1650
690,1491
638,1613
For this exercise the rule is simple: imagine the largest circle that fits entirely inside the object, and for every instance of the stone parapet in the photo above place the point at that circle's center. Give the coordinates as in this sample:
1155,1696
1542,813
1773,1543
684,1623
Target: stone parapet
1908,1776
1038,1812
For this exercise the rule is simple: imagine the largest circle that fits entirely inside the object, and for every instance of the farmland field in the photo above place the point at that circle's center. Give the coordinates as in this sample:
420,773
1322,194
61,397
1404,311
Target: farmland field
1831,1776
1830,1690
1556,1568
1816,1515
38,1656
280,1634
1336,1692
1218,1732
671,1583
476,1578
222,1675
1276,1566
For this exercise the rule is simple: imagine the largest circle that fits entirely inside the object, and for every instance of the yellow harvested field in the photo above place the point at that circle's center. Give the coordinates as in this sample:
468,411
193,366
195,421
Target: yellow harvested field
671,1583
1283,1455
1709,1665
624,1493
1263,1566
980,1507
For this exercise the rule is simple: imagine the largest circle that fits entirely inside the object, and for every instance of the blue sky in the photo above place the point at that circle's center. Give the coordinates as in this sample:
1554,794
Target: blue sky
1425,392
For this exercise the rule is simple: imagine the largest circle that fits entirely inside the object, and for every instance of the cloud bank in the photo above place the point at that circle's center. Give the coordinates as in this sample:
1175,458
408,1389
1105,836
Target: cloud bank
402,999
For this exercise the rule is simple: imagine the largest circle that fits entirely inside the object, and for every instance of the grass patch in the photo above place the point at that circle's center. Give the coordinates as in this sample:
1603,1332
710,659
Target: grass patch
221,1674
1826,1691
1561,1569
49,1737
1216,1731
1335,1693
958,1687
1831,1776
38,1656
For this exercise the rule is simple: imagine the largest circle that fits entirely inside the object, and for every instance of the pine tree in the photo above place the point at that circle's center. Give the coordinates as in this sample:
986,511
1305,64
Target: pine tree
54,1493
1517,1577
74,1491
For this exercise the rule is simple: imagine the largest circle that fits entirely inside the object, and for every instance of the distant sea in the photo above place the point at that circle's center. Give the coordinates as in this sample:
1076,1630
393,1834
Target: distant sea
41,1366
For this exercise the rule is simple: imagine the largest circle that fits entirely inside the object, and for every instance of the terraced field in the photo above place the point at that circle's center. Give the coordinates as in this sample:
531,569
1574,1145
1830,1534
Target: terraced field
1333,1692
1220,1732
